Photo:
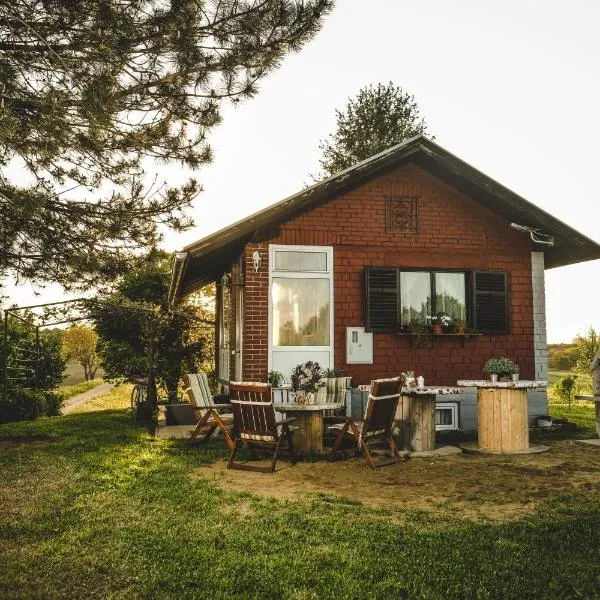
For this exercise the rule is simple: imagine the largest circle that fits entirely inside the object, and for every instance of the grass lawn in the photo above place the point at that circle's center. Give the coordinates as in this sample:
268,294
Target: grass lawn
91,506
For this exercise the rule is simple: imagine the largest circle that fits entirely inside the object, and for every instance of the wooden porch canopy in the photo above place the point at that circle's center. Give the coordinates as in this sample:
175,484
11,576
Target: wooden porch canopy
206,260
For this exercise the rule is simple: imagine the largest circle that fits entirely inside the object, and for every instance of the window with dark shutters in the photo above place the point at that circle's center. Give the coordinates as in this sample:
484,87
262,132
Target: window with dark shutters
490,301
382,299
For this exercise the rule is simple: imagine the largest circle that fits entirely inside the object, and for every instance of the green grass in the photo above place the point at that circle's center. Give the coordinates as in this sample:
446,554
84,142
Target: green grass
68,391
91,506
580,413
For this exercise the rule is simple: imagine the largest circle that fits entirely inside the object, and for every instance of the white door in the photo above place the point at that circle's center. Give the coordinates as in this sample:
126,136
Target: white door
300,307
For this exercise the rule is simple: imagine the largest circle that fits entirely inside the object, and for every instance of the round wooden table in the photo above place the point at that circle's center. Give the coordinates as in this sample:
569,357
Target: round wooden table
415,417
502,418
309,420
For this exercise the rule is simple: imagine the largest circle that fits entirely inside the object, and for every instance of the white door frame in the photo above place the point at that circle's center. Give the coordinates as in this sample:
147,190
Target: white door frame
301,275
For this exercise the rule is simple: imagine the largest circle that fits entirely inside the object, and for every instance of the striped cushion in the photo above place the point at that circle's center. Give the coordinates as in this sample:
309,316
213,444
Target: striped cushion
262,438
359,426
334,391
200,390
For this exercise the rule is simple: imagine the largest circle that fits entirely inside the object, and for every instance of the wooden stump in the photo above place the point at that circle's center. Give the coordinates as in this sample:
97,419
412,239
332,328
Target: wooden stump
309,435
502,422
415,418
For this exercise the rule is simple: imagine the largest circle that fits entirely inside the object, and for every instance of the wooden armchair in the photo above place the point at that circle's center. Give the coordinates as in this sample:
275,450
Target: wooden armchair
255,424
378,421
210,416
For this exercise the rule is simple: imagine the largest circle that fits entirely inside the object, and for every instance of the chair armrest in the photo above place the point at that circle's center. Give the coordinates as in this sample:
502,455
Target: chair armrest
222,407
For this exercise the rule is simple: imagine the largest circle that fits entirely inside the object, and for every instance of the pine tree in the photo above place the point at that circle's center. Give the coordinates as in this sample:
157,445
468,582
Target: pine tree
379,117
90,90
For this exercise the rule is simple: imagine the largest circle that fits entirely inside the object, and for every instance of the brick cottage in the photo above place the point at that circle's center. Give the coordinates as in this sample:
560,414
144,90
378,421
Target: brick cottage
346,273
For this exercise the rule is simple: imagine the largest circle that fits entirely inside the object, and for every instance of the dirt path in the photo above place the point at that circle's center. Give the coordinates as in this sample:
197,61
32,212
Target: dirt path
80,399
490,488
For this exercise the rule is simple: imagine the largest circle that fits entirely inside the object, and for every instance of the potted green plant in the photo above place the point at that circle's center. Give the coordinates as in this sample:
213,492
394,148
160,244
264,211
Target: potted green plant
500,368
306,381
275,378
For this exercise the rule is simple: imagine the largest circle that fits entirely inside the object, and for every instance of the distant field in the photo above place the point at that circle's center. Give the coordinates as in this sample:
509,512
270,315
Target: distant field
74,374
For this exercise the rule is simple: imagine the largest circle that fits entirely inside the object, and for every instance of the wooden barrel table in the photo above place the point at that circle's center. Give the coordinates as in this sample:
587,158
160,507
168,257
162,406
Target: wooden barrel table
308,437
415,417
502,416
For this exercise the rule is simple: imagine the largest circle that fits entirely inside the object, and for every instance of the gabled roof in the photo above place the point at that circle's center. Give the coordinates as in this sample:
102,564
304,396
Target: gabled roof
206,260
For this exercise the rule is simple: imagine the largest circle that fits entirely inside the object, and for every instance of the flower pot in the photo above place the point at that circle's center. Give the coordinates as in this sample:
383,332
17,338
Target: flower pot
310,398
544,421
515,377
462,329
494,377
437,329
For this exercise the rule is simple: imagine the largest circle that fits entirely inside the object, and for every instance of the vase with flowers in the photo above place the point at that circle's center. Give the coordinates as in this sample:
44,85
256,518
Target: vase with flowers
306,380
440,322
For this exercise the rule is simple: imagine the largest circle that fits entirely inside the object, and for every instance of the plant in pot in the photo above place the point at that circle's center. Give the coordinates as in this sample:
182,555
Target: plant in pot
440,323
275,378
501,368
306,381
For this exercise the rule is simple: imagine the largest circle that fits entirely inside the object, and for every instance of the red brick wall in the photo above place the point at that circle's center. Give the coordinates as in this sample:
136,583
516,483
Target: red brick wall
454,232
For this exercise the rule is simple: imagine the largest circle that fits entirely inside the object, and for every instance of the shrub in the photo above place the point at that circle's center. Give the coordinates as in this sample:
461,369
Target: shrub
563,389
53,404
22,405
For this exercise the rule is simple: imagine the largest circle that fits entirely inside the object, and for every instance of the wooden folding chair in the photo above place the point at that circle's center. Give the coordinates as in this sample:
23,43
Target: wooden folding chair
255,424
378,421
209,415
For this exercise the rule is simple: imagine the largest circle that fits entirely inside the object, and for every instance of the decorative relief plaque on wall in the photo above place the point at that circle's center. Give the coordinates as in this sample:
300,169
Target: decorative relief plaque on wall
402,214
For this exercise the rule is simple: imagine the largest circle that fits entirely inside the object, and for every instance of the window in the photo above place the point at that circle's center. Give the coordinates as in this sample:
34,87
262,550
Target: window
415,297
446,416
289,260
396,299
300,312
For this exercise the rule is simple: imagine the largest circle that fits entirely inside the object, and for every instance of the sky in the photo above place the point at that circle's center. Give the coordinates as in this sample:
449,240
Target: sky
511,87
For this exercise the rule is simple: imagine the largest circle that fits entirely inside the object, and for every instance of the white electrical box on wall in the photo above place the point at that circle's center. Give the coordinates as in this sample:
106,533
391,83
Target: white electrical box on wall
359,346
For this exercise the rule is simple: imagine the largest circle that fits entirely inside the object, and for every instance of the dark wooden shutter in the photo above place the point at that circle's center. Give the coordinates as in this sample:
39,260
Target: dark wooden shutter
490,301
381,299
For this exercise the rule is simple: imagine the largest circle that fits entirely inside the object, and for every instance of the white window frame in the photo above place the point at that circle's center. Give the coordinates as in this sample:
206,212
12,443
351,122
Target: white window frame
301,275
224,349
453,407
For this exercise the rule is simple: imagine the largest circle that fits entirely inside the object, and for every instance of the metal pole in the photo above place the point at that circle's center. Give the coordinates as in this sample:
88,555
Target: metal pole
37,357
5,356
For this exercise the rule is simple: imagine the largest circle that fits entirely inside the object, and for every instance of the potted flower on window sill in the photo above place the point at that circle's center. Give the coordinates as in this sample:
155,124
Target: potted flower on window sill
440,323
502,369
306,381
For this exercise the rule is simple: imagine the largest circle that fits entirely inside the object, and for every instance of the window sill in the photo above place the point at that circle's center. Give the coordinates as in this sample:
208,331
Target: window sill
425,340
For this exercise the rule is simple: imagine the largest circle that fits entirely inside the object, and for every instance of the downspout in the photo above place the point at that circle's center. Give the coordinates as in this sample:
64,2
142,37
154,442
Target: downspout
179,263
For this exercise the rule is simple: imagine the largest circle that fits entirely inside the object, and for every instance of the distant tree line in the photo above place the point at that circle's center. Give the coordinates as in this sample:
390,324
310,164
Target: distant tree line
576,356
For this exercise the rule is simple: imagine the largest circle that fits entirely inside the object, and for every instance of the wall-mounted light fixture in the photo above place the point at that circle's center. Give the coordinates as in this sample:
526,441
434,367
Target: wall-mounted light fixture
256,260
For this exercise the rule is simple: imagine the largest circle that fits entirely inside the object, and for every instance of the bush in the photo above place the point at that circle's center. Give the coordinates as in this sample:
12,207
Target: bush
22,405
28,405
53,404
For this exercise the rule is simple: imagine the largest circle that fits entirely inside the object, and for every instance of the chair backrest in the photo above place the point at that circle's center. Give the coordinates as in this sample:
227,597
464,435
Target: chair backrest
334,391
198,390
253,412
382,405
